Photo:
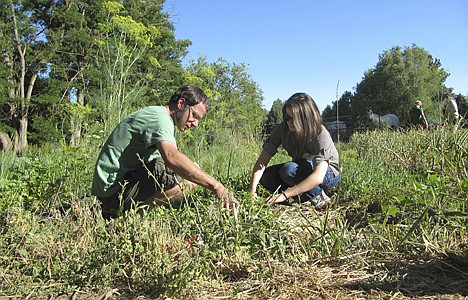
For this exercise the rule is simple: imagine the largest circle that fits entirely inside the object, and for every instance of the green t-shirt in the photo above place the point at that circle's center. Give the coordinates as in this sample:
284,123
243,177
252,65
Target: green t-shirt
136,136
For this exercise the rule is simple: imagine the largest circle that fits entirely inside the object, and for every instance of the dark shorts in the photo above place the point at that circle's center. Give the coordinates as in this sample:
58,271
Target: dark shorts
138,186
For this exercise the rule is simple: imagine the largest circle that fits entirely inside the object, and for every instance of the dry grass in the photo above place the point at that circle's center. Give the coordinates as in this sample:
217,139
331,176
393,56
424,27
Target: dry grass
363,274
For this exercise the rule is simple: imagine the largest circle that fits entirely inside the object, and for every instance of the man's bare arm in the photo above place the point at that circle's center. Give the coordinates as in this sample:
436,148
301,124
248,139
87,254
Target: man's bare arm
186,168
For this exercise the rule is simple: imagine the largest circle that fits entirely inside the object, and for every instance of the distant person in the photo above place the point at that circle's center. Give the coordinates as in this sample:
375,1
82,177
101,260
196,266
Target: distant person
140,162
450,110
315,164
417,118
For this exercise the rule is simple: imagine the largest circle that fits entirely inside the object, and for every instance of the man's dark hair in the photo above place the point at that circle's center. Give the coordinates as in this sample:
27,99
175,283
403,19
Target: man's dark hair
193,95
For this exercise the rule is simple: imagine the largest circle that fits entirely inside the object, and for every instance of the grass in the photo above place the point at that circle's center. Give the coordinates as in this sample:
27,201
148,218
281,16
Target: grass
397,229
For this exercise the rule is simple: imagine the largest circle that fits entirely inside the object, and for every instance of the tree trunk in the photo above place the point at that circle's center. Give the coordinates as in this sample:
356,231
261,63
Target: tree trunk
21,140
76,123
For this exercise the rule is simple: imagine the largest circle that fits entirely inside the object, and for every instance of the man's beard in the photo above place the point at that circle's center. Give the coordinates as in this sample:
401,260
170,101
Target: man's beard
178,115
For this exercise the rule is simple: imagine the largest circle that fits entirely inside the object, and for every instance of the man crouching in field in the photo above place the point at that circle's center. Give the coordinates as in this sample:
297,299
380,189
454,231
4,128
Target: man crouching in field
140,162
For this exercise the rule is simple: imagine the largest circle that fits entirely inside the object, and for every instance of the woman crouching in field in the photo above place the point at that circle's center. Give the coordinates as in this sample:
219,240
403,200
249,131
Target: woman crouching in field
315,164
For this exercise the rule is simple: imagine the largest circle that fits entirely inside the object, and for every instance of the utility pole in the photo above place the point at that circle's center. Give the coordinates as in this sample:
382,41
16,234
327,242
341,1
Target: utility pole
337,115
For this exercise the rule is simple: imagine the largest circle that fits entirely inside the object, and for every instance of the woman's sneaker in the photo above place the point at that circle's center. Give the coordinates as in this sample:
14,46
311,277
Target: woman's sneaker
321,201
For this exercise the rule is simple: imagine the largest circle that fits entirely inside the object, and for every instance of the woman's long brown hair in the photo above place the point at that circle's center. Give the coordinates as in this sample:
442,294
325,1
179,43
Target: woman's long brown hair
307,120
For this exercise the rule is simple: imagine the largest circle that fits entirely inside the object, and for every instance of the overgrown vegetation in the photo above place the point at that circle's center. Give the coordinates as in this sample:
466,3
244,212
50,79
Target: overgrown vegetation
397,228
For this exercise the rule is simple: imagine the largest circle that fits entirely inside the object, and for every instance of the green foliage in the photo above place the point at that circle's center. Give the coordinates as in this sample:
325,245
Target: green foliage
139,62
275,116
235,97
25,54
43,130
385,207
38,181
7,160
442,150
462,103
222,157
115,56
412,179
343,105
121,44
402,193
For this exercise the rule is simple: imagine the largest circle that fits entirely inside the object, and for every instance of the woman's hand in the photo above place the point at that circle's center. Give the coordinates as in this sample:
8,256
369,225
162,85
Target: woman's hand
276,198
255,195
253,192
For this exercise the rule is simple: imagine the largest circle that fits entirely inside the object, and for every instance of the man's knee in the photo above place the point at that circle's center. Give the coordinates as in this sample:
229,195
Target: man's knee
171,196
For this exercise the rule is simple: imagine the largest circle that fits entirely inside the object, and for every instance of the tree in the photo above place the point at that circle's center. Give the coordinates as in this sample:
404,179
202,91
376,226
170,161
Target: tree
72,68
343,105
38,42
399,79
274,117
115,56
26,53
236,99
462,102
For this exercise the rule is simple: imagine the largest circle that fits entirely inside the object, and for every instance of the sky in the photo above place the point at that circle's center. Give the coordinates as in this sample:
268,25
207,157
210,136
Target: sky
321,47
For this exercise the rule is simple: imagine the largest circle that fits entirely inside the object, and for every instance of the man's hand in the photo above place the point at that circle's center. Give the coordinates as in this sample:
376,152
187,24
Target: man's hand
229,201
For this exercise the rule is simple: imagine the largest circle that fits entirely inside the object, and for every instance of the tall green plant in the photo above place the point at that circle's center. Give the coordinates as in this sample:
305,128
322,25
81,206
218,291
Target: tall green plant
122,43
7,160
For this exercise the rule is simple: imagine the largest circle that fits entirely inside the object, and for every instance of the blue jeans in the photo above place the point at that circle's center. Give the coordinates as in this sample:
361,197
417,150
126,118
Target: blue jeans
282,176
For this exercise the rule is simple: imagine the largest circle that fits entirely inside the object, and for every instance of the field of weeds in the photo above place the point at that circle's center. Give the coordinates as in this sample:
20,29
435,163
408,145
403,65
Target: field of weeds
397,229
